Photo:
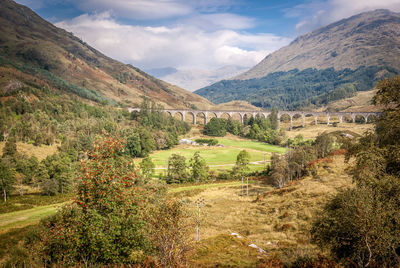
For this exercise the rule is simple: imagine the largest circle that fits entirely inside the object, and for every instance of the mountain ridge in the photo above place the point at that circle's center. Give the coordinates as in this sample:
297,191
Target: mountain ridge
30,42
348,43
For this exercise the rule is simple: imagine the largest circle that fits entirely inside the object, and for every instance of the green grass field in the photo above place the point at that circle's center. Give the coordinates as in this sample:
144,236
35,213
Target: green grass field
23,218
220,158
254,145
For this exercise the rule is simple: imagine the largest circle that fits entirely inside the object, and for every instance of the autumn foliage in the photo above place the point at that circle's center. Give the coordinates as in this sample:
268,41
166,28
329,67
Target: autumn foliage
105,224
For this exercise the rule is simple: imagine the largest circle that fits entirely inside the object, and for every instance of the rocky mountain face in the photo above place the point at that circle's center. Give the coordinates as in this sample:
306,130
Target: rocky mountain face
31,45
368,39
326,65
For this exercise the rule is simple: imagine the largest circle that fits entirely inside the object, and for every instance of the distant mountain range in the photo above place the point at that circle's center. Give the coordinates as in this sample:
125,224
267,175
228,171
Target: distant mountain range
193,79
33,46
325,65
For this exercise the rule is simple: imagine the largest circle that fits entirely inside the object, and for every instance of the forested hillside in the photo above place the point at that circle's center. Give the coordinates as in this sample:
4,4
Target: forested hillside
296,89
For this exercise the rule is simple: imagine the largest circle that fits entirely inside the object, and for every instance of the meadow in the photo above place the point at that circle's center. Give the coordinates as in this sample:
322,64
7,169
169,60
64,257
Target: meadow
219,158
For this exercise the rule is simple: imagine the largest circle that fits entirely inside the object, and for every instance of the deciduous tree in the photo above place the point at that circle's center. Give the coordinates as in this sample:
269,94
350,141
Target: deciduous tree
6,179
198,168
177,169
242,163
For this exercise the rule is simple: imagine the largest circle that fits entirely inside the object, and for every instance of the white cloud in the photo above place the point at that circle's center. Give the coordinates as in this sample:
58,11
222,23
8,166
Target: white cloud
325,12
151,9
180,46
220,21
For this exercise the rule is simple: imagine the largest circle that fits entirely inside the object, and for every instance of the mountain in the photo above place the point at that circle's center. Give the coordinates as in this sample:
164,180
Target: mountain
33,46
193,79
367,39
325,65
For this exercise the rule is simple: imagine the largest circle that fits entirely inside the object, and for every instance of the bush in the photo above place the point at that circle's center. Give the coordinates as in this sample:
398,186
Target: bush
209,142
224,175
49,187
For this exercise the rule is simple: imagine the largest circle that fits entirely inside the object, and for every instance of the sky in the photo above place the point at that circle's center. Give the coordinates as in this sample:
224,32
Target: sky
195,34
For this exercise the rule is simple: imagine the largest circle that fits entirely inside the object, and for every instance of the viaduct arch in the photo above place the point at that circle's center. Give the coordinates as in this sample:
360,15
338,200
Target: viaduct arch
265,114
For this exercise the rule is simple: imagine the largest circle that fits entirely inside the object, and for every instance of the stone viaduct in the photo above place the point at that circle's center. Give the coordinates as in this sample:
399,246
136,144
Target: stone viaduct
248,114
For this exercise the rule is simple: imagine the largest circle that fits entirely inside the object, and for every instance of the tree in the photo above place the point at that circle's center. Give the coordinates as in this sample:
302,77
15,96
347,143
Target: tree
177,169
323,145
105,223
10,148
198,168
146,141
254,131
216,127
147,167
49,187
273,118
242,163
171,233
60,173
133,146
233,126
363,223
279,171
6,179
41,174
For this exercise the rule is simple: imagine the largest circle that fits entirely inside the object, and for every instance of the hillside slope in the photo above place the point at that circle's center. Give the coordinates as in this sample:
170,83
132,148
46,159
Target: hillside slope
295,89
367,39
361,102
36,47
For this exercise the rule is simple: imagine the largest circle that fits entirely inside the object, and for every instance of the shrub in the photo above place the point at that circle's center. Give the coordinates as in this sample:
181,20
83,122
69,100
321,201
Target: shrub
209,142
49,187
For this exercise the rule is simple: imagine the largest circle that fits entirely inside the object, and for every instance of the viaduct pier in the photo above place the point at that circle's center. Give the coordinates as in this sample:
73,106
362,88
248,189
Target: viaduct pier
204,114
